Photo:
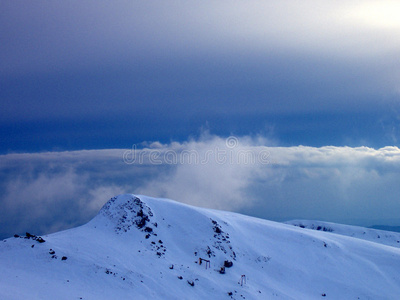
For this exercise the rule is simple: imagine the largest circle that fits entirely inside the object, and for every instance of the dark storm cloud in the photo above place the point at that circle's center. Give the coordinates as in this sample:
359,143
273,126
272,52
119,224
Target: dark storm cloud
89,59
45,192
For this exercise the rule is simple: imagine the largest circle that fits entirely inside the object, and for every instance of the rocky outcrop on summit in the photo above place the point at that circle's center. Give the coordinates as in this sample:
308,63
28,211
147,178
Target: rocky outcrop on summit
127,211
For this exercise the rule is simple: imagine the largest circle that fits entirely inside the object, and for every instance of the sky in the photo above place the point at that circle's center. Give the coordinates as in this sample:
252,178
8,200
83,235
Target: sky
302,80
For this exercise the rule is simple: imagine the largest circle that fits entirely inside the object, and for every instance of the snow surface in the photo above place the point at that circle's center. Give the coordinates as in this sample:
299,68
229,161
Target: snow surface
145,248
374,235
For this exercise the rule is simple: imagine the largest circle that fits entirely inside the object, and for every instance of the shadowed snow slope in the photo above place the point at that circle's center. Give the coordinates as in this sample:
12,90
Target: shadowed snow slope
374,235
144,248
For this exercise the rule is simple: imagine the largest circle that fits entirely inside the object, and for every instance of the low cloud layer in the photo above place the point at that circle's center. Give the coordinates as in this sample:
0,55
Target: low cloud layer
46,192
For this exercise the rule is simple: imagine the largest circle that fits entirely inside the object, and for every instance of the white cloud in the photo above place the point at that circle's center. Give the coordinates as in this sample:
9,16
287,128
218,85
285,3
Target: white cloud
50,191
342,184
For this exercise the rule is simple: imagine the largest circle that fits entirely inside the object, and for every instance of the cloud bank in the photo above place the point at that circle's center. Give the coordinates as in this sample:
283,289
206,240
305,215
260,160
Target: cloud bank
45,192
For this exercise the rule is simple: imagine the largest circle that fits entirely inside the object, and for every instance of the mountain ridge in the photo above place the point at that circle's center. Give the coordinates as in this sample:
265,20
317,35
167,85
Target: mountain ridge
139,247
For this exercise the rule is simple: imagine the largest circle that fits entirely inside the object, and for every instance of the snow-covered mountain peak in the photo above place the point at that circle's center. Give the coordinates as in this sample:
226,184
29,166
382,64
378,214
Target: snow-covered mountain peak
150,221
125,212
139,247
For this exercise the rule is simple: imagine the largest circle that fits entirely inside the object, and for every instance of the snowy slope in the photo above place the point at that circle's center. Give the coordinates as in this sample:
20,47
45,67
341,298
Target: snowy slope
144,248
373,235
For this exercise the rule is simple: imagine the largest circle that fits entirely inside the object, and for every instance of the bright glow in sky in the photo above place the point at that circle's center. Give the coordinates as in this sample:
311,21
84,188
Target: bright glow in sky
379,14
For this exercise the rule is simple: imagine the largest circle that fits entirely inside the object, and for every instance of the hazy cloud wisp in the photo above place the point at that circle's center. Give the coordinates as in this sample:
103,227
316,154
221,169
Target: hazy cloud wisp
44,192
